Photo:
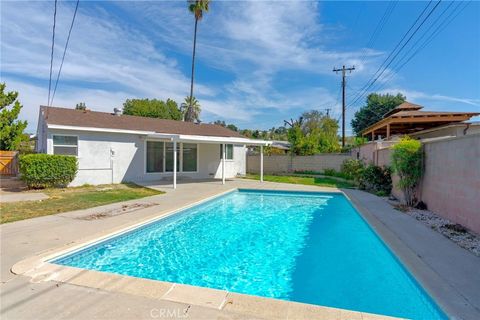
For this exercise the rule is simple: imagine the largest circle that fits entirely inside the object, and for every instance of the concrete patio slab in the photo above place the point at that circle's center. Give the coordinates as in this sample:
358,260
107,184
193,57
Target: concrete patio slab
22,196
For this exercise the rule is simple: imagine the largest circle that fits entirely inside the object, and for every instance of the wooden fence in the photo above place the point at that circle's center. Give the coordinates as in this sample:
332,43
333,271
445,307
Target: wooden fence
8,163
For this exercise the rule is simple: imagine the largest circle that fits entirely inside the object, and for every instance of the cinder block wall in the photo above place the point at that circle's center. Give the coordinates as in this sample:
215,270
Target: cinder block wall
450,185
451,182
287,163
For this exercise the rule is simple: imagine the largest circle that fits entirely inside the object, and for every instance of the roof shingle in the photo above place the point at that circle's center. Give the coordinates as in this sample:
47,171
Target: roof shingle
105,120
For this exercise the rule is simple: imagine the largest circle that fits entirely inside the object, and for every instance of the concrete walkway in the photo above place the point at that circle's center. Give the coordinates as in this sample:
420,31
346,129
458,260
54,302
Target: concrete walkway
450,274
447,271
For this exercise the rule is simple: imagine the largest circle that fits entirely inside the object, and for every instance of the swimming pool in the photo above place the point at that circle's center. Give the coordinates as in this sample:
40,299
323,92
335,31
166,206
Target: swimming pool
299,246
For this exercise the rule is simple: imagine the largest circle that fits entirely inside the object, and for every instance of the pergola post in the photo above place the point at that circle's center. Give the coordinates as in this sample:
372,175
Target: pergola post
261,163
223,163
174,164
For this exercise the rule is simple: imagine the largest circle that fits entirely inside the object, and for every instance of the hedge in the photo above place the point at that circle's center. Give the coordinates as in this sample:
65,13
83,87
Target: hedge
47,170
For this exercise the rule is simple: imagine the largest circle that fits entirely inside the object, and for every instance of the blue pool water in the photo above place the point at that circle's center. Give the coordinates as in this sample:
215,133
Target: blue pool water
306,247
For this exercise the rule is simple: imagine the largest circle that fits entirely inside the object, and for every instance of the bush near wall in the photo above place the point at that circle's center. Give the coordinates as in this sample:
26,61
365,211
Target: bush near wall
377,180
46,170
352,169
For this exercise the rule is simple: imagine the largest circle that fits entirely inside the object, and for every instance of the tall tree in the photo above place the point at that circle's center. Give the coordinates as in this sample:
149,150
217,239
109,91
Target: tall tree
197,7
152,108
190,109
376,106
313,133
11,129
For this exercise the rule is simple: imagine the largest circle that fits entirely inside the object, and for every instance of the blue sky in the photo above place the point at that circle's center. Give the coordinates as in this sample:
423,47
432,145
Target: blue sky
258,62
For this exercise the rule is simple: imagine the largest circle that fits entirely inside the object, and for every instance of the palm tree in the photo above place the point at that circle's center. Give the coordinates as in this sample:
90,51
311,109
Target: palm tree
190,109
197,7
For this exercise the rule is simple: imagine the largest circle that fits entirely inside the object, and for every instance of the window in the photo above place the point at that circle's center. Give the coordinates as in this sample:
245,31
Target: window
65,145
189,157
228,153
169,157
154,156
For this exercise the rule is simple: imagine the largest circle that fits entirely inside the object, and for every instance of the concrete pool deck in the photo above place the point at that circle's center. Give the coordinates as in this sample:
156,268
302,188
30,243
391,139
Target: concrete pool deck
449,273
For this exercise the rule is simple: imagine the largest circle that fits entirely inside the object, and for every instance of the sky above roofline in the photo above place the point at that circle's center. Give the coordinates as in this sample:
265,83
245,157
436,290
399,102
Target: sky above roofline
258,62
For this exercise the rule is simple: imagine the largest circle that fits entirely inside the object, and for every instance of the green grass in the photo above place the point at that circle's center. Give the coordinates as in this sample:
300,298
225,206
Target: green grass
69,199
327,172
311,181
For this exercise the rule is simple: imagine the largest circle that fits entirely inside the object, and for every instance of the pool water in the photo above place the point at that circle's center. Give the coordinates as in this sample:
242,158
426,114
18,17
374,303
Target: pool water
305,247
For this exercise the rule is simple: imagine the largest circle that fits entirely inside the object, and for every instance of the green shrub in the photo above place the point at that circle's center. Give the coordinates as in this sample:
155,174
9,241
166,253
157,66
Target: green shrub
330,172
46,170
376,179
352,169
407,164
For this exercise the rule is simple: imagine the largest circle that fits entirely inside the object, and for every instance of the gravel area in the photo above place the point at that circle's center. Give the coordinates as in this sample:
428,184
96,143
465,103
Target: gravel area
453,231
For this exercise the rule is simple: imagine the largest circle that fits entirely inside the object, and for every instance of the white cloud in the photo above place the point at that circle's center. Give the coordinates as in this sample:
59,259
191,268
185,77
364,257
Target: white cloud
442,102
106,57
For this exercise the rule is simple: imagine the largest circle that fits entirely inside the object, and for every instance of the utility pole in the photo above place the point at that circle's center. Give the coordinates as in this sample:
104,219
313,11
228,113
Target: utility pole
344,84
328,112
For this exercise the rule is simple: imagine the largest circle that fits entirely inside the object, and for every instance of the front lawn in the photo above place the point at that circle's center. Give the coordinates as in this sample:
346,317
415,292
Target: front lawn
69,199
313,181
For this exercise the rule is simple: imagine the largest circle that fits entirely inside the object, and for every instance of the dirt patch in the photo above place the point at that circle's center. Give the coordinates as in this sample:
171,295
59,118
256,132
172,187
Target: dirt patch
453,231
117,211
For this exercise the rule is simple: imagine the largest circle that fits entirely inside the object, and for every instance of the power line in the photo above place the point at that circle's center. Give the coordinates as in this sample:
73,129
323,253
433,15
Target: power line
440,27
453,14
51,55
403,46
65,49
379,28
394,52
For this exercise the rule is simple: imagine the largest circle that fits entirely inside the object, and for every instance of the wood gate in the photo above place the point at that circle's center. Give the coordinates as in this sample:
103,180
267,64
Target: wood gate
8,163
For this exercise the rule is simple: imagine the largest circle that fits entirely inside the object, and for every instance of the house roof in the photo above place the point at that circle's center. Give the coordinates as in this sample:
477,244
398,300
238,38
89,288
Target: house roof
406,106
407,118
105,120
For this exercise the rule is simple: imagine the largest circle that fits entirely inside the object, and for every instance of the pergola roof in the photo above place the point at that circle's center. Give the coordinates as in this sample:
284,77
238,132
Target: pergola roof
407,118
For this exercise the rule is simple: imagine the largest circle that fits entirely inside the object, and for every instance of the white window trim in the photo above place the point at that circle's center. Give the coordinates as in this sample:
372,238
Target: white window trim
179,155
198,157
145,156
233,152
65,145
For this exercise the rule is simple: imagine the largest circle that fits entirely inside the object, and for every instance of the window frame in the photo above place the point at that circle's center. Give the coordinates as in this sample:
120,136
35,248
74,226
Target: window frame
197,157
179,156
65,145
146,157
226,154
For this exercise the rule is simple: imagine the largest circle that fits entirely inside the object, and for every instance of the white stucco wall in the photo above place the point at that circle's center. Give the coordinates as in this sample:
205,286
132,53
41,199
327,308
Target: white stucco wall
41,144
117,157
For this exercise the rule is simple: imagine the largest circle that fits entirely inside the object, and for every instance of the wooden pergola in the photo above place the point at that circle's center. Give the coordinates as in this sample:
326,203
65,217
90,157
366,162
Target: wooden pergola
407,118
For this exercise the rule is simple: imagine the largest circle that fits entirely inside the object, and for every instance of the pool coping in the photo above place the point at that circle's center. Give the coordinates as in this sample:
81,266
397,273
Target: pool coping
428,279
39,269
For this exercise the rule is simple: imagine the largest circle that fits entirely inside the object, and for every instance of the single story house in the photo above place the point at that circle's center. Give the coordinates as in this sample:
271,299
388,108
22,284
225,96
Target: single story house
114,148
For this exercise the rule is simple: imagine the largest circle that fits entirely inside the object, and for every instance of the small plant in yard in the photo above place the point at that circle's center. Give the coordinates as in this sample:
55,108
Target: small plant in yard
46,170
377,180
407,164
352,169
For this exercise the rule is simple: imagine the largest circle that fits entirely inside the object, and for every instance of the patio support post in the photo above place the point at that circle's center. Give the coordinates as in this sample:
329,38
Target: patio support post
174,164
223,163
261,163
388,131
